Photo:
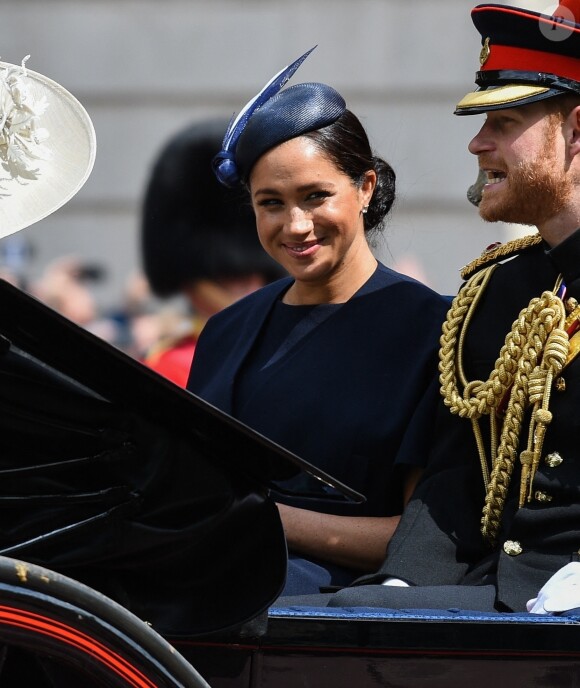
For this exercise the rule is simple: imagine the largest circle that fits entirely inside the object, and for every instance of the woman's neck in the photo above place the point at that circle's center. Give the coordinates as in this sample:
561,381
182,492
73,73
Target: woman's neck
338,289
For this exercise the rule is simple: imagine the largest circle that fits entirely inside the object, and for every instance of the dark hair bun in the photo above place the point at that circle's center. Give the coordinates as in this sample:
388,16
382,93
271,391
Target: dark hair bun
384,194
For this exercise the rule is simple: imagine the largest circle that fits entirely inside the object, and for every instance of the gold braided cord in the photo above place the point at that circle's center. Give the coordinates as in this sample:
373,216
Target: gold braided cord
543,344
534,352
452,339
502,251
478,397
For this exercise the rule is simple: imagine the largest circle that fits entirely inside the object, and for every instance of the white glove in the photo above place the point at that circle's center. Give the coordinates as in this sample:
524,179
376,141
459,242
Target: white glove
396,583
560,593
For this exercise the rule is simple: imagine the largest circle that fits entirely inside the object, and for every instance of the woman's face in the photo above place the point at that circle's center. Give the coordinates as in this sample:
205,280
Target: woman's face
309,215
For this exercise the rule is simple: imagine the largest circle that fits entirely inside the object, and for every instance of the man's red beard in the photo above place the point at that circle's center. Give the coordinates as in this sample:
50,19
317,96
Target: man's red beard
534,191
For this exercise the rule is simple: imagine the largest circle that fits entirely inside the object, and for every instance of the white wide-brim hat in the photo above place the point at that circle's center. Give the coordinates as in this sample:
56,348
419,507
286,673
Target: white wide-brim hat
47,147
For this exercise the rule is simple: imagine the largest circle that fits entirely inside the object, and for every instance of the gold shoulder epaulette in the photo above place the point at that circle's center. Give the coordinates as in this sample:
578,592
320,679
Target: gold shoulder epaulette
498,252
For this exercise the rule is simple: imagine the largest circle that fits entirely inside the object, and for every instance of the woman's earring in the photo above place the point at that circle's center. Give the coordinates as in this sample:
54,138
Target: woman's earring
364,210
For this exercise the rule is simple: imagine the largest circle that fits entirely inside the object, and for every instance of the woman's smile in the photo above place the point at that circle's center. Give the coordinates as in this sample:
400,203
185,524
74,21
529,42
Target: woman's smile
302,250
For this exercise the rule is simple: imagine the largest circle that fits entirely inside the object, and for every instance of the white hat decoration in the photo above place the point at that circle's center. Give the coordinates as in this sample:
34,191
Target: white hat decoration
47,147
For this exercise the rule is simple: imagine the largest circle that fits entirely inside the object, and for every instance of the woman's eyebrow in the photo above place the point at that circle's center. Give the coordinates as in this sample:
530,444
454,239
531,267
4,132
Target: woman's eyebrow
267,191
302,188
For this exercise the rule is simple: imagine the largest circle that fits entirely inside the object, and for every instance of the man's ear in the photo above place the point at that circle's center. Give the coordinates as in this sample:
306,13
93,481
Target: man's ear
574,123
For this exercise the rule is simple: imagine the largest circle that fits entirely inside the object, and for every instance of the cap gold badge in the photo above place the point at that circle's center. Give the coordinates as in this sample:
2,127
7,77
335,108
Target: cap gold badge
484,52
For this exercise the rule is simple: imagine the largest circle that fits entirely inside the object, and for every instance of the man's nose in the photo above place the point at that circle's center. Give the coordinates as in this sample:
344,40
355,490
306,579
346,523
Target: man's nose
482,142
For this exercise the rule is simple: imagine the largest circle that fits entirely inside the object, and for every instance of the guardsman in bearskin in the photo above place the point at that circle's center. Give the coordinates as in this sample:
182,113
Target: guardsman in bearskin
497,513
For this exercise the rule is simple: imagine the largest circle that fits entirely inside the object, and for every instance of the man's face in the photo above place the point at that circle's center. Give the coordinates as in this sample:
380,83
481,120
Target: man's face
521,150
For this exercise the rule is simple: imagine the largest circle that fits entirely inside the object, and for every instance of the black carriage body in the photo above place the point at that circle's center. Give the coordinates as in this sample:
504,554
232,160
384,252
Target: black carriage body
368,648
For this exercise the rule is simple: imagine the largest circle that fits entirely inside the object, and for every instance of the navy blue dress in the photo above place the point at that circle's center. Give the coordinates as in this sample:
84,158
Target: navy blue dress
351,387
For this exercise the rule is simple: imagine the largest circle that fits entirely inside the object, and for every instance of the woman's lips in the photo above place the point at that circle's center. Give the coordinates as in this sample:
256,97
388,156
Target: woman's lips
302,250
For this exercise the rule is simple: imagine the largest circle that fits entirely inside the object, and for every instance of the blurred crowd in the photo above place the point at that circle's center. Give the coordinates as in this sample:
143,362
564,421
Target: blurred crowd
70,286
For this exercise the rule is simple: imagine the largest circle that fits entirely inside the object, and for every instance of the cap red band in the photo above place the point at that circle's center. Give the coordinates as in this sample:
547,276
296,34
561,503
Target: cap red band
544,19
507,57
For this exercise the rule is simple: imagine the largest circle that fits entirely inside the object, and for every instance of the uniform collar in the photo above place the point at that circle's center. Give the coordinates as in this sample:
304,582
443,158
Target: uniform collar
566,257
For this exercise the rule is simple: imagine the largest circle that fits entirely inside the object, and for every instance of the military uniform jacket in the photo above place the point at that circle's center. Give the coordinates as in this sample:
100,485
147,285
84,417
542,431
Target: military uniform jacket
438,541
354,396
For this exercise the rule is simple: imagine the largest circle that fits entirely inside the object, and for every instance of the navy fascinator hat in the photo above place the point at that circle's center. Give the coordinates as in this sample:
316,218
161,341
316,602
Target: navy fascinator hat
272,117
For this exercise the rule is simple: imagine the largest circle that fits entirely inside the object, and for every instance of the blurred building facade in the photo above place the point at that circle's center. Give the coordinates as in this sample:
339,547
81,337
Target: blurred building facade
144,69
